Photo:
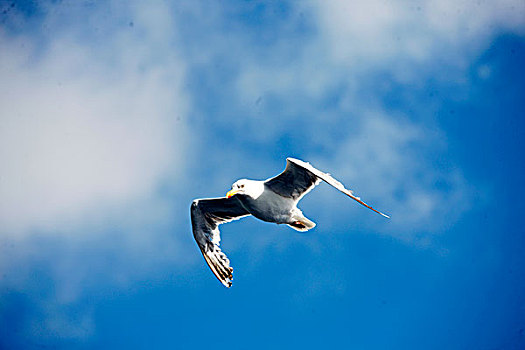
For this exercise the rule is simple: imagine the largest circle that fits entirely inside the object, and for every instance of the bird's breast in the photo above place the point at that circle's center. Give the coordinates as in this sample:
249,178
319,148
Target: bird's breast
269,207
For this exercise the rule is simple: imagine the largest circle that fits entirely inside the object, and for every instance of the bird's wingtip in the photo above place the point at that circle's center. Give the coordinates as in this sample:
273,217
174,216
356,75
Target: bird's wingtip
227,283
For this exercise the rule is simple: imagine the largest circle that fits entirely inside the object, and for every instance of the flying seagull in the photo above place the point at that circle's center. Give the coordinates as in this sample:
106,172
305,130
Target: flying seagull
273,200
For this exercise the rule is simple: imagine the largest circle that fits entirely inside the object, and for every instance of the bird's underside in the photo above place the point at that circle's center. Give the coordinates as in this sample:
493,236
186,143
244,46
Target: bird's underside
273,200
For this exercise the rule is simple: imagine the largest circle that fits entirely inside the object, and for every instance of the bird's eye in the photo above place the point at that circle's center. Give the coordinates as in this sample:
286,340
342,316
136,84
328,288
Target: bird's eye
242,186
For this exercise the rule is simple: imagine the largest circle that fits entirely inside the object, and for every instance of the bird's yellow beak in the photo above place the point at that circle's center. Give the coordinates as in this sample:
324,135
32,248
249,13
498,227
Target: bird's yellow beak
231,193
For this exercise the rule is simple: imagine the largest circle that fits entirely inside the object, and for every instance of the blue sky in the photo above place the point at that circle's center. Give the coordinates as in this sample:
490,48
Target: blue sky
115,115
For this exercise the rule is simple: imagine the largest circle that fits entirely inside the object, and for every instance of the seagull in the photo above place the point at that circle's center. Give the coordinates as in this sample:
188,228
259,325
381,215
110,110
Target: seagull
273,200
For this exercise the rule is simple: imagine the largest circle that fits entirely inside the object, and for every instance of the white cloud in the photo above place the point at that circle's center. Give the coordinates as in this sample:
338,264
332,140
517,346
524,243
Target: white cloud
92,124
369,32
86,128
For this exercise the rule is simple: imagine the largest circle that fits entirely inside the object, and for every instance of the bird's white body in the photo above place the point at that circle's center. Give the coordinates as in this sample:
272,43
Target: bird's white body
268,206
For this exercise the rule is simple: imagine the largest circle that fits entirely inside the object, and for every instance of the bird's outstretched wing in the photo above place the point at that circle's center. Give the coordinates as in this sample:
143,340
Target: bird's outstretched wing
294,182
300,177
206,216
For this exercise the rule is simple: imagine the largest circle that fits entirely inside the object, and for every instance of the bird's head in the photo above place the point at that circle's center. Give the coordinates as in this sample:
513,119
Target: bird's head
247,187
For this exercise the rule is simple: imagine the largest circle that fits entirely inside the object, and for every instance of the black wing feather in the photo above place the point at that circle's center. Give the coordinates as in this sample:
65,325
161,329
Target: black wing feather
294,182
206,216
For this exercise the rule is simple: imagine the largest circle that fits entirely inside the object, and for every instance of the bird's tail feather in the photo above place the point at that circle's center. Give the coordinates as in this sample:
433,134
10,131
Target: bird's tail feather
301,224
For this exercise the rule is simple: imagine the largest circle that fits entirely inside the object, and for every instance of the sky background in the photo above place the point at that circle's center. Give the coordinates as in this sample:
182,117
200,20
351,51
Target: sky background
114,115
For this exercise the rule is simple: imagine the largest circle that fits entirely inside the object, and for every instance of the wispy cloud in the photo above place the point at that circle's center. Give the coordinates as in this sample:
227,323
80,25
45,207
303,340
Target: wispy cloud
93,124
86,128
378,32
